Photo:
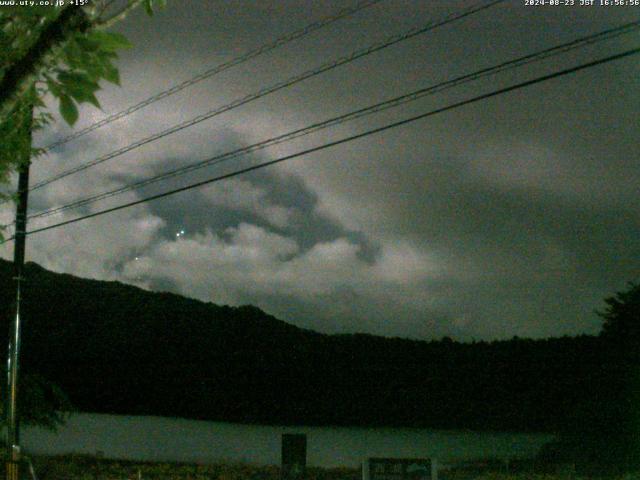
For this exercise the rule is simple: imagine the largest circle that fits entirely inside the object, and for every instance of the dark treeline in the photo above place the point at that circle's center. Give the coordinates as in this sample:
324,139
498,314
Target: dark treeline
118,349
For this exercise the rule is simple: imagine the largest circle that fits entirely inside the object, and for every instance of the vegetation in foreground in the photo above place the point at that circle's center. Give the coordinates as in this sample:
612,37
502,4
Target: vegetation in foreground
86,467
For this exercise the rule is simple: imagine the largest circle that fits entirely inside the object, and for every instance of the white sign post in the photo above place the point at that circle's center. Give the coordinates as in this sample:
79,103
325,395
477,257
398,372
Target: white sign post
399,469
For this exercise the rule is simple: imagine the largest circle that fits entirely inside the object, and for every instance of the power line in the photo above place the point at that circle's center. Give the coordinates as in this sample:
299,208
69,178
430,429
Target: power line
389,126
312,27
276,87
403,99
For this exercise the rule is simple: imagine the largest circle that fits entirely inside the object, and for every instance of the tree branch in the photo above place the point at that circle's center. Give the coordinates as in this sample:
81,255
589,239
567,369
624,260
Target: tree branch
21,76
116,17
105,6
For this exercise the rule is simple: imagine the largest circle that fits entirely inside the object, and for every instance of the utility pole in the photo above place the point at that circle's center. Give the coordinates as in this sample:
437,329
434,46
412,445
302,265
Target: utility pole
11,408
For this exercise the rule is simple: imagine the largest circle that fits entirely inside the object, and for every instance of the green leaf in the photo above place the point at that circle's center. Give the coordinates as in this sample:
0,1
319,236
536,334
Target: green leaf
148,6
81,95
111,74
79,86
110,41
72,53
93,71
68,110
37,152
88,44
78,80
91,98
54,87
38,103
106,56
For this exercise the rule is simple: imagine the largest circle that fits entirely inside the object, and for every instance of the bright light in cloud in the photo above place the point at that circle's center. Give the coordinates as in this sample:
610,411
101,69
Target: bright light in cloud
251,259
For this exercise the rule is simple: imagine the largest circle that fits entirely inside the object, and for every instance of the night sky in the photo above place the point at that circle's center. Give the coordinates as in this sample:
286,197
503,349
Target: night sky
512,216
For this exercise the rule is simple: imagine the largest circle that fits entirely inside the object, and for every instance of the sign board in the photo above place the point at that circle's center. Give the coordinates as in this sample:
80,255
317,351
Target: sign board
400,469
294,455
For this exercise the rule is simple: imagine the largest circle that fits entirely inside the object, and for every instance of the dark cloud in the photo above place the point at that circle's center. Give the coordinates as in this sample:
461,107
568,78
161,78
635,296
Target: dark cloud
263,198
513,216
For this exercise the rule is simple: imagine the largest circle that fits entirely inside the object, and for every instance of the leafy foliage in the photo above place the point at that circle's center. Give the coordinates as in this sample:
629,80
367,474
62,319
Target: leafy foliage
87,59
16,144
42,403
81,467
70,71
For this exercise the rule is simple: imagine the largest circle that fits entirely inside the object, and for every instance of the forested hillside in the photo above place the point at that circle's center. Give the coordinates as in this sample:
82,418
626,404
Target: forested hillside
119,349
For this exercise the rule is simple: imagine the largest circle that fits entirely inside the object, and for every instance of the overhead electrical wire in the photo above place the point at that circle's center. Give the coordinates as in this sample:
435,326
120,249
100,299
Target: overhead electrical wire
334,143
312,27
452,17
387,104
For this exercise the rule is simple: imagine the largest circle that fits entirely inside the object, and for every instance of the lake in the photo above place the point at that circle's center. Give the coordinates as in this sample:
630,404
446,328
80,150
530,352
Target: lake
170,439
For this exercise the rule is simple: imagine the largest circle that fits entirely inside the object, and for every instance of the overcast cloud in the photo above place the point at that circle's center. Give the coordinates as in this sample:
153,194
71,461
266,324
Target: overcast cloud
513,216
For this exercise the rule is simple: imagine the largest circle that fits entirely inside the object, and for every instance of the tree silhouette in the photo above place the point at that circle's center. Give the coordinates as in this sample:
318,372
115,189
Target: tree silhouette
622,317
619,395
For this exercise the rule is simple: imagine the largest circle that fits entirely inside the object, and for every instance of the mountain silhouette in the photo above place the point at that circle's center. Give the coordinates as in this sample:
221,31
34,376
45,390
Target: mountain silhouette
115,348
